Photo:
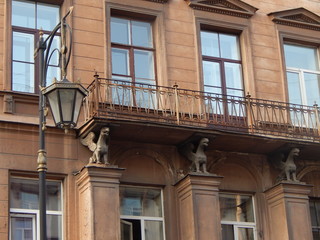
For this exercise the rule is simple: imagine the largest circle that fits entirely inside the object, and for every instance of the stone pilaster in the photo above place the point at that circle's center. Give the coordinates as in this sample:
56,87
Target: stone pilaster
289,214
99,209
198,206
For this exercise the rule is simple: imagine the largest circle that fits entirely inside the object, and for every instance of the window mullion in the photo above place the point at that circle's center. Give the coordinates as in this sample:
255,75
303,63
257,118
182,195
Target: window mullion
303,87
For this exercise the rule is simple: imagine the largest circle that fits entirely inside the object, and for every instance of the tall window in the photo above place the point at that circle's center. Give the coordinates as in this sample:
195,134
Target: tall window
24,209
237,217
221,61
315,217
303,74
28,17
132,58
141,214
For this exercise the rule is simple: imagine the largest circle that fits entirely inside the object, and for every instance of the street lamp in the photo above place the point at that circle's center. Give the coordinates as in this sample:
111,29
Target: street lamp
65,100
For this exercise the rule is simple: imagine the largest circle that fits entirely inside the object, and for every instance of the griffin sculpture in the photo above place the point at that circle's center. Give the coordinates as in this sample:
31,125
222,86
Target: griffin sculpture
99,149
286,164
196,155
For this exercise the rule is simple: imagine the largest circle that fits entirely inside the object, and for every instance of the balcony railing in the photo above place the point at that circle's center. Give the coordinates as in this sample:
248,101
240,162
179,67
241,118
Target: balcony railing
116,99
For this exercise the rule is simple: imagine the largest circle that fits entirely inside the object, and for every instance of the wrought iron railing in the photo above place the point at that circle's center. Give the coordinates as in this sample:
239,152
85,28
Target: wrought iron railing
116,99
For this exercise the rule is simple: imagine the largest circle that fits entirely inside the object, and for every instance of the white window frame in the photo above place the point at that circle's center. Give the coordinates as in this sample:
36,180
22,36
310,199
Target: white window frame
142,219
302,84
27,215
236,225
36,213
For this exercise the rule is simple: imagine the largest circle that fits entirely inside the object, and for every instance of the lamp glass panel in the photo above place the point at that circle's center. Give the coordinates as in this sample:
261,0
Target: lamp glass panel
67,100
77,106
54,105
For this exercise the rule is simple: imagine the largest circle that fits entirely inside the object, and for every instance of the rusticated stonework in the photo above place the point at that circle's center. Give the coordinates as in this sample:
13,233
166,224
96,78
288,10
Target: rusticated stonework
299,17
228,7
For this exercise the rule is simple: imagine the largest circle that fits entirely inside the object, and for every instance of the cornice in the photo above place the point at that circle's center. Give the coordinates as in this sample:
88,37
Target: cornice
298,17
235,8
158,1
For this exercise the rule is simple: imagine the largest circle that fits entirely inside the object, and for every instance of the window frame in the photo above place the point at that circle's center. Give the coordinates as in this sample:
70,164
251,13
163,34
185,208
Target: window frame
315,200
36,212
142,219
36,34
299,71
235,224
222,61
131,48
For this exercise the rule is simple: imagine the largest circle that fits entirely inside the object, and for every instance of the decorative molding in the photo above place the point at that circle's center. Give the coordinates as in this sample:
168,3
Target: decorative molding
235,8
158,1
298,17
8,103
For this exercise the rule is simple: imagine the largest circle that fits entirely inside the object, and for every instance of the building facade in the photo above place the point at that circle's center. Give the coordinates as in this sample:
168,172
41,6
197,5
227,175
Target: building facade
204,113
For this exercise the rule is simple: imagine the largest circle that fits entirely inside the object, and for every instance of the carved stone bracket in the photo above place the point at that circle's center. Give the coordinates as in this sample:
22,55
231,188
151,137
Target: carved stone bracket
227,7
158,1
298,17
8,103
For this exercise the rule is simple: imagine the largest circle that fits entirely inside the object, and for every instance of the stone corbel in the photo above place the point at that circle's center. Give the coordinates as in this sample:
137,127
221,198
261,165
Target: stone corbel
8,103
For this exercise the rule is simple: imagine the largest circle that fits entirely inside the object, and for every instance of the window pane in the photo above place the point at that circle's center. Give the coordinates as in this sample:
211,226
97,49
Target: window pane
316,234
227,232
22,228
23,14
120,61
211,74
233,72
143,64
54,196
301,57
140,202
312,88
54,59
245,234
153,230
54,227
229,47
236,208
22,77
23,47
315,212
120,31
47,16
141,34
130,229
210,44
294,88
52,72
24,193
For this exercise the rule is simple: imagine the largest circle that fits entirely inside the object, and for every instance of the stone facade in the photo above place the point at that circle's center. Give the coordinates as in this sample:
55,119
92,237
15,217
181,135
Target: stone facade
146,152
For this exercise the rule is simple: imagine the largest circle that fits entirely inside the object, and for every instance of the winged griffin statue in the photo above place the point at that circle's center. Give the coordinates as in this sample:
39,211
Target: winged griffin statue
100,148
286,164
196,155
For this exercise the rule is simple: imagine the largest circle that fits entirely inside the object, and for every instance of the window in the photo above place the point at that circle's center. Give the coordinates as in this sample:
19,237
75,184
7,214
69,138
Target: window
24,213
132,52
315,217
221,61
141,213
237,217
28,17
222,71
303,74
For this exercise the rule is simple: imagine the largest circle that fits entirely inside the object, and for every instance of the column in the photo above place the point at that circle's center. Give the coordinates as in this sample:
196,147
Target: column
289,214
198,206
99,214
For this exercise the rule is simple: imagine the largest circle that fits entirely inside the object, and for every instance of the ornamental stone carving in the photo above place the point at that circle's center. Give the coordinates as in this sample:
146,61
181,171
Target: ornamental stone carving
100,148
196,155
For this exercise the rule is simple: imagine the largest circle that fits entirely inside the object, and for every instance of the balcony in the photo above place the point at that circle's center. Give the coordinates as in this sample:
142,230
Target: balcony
116,100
